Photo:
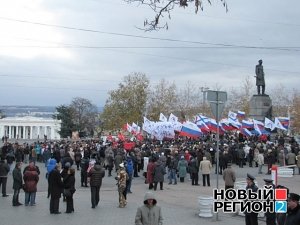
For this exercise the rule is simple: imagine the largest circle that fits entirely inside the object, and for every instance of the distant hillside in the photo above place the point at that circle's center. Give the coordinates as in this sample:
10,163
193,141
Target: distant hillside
37,111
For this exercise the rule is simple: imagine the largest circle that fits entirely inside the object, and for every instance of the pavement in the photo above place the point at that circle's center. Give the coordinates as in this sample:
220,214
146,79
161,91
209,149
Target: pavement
179,202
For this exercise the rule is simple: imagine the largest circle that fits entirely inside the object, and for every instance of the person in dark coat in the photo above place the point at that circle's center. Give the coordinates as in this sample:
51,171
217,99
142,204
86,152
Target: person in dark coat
17,184
293,213
270,216
4,169
194,170
158,175
69,183
96,174
84,164
31,178
55,188
251,217
77,157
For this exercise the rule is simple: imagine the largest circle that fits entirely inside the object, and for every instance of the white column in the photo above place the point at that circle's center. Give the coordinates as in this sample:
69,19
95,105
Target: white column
17,131
52,136
9,136
24,132
38,132
31,130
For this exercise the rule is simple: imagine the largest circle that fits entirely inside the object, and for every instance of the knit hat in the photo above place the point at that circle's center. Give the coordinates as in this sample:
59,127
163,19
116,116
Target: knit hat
51,165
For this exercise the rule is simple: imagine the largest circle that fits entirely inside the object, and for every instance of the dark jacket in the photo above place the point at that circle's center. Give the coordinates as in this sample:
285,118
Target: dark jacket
31,178
293,216
55,184
159,172
96,174
193,166
17,177
4,169
69,182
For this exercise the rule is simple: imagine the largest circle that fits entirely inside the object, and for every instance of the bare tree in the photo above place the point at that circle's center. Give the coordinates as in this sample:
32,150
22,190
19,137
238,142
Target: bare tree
239,98
295,113
162,99
84,115
280,100
163,8
189,100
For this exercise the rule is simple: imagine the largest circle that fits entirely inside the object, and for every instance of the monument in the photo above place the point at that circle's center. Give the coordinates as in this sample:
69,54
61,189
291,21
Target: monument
261,103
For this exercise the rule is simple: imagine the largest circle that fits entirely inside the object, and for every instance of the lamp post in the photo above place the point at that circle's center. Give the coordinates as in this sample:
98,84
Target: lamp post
217,101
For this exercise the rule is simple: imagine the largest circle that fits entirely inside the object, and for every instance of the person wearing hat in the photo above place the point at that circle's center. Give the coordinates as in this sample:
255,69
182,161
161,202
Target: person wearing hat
270,216
122,177
293,213
149,213
229,177
251,217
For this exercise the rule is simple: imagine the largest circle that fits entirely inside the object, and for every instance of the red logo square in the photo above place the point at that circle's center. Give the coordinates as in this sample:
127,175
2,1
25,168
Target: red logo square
281,194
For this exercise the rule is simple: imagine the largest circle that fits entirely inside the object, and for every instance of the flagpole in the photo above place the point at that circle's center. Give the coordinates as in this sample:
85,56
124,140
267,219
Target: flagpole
217,118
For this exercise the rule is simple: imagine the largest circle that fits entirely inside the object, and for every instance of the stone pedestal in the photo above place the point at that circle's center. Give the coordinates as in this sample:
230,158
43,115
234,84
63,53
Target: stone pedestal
260,107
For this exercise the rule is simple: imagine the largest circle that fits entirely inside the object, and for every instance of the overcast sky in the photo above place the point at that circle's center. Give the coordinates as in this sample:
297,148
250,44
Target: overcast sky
53,51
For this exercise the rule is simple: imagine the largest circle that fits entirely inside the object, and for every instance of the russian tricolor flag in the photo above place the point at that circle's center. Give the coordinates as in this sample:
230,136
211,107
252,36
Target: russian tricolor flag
190,129
246,132
241,114
247,124
285,121
213,126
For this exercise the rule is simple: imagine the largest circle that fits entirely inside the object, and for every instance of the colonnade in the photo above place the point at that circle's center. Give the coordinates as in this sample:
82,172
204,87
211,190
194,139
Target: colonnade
29,128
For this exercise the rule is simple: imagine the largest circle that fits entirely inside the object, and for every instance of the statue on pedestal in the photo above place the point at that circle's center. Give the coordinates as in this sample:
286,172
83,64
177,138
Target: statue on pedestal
260,78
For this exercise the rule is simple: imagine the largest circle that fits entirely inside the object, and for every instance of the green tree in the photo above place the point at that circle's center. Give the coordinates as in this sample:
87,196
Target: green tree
127,103
84,116
2,115
164,8
64,113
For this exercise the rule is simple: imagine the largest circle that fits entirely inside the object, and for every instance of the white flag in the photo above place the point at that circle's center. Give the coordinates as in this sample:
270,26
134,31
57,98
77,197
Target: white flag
269,124
232,115
173,118
278,124
162,118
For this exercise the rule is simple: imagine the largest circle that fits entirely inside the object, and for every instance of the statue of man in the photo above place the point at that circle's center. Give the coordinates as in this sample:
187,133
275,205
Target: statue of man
260,77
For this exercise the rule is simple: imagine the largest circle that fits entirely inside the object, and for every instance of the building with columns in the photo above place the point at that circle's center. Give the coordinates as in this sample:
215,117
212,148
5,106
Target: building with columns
29,128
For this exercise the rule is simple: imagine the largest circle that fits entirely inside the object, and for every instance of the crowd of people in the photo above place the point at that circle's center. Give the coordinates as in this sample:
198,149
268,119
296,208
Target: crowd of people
179,160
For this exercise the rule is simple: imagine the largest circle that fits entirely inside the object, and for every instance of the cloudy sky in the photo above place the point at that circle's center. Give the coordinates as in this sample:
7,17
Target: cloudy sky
53,51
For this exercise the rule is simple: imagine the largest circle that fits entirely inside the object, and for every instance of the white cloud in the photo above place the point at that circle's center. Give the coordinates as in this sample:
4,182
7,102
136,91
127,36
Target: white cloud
25,40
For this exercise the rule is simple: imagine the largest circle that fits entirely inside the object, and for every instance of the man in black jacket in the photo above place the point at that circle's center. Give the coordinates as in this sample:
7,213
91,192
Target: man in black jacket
55,188
293,213
251,217
96,174
4,169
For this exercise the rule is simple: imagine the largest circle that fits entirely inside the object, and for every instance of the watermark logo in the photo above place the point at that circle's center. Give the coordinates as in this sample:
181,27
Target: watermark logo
266,200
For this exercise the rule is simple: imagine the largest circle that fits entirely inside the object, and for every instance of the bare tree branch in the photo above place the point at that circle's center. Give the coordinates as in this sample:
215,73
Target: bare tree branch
163,7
